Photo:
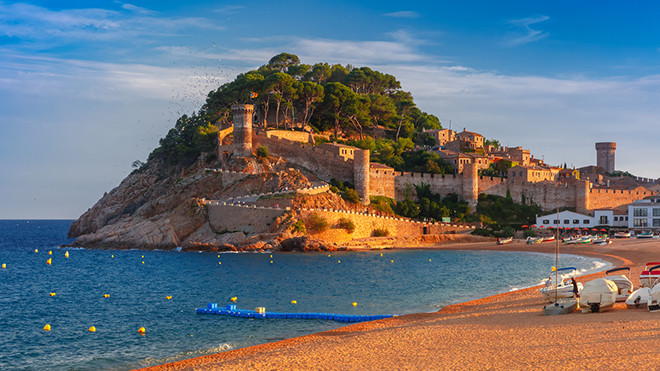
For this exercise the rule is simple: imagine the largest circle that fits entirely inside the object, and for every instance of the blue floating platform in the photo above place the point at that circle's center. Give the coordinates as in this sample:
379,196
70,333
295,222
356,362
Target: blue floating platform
231,310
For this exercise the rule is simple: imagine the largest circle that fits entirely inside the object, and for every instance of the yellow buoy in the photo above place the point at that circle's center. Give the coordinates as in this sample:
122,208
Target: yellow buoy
52,294
4,266
219,262
49,261
36,251
143,262
92,329
429,259
112,256
142,331
381,254
294,302
142,256
47,327
66,254
271,262
169,297
218,256
50,253
106,295
355,304
271,256
329,256
391,261
234,299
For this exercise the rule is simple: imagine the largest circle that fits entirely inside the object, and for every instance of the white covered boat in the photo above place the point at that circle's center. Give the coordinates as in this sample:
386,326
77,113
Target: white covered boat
649,277
534,240
598,296
645,235
602,241
640,298
654,303
564,287
623,284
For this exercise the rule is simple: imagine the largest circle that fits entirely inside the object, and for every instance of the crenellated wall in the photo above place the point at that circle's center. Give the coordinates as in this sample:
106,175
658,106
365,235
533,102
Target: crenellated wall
601,198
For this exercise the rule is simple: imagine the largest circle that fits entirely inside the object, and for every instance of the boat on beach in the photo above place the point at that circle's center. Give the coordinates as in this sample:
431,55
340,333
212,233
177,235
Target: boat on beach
623,283
622,235
584,240
503,241
650,275
602,241
598,296
645,235
564,286
640,298
548,239
534,240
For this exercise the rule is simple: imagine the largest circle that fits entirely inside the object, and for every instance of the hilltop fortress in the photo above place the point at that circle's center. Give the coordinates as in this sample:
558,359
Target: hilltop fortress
529,180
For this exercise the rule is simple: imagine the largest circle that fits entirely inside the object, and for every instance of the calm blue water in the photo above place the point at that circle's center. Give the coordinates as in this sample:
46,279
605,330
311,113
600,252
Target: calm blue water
318,282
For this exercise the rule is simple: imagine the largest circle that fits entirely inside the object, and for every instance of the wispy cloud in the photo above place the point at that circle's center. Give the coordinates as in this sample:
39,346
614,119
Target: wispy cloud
524,33
403,14
35,23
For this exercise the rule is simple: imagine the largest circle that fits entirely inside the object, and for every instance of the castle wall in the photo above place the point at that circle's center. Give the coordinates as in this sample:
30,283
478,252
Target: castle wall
324,164
441,184
241,218
366,223
602,198
294,136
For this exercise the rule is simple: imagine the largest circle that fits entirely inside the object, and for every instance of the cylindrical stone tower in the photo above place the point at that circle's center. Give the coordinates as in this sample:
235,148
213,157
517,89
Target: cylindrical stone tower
470,185
361,174
243,128
605,155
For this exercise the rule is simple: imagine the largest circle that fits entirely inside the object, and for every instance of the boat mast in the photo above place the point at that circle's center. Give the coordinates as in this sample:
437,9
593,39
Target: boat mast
557,255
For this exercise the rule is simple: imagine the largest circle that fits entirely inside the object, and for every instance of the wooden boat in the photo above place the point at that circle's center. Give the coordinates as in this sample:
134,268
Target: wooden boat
598,296
602,241
622,235
584,240
534,240
649,277
502,241
548,239
645,235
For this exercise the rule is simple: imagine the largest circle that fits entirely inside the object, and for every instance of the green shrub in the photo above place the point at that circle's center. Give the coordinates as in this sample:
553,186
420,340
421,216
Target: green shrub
334,189
351,195
508,231
263,152
482,232
529,233
382,204
317,223
298,227
346,224
380,232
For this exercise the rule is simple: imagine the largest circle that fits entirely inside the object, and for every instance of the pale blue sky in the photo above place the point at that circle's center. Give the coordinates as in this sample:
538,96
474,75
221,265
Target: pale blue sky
86,87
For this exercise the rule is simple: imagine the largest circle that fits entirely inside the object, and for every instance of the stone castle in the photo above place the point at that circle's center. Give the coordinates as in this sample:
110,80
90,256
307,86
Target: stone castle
530,180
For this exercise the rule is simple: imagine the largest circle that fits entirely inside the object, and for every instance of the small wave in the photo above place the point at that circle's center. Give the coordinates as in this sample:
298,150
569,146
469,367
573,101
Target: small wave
178,249
150,361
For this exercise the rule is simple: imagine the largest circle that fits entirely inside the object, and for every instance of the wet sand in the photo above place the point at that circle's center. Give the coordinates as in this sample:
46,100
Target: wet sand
506,331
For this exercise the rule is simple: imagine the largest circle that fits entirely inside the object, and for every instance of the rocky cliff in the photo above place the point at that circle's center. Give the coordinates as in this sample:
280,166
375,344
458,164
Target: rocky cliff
159,206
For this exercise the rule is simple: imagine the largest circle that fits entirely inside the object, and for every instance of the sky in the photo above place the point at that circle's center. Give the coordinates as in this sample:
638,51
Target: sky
88,87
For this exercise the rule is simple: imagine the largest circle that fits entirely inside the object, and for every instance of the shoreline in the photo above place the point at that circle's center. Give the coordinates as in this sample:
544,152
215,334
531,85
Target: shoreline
512,320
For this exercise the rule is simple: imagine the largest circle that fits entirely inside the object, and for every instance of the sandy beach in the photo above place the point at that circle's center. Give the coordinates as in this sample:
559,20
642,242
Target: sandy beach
506,331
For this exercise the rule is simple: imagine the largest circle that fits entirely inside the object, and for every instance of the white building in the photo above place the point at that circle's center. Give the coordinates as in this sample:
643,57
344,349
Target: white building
644,214
571,219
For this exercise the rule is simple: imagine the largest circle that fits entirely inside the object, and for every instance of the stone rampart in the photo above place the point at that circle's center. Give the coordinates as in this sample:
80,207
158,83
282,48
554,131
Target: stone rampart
381,182
324,164
366,223
249,219
603,198
440,184
294,136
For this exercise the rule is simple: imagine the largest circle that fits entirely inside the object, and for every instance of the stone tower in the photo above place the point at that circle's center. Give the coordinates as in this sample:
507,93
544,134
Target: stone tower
242,129
361,174
470,185
605,155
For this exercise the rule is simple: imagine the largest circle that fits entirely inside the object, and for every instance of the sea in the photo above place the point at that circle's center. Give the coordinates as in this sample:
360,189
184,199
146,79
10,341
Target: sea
120,291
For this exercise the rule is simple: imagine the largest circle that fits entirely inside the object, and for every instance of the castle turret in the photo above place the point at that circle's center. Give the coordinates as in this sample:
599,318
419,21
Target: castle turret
242,128
470,185
605,155
361,174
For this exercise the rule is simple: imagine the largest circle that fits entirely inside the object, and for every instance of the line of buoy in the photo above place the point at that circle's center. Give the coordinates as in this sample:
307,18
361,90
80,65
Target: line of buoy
106,295
261,312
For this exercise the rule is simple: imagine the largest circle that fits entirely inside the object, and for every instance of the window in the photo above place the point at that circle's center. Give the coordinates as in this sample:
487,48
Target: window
586,221
656,212
656,222
603,220
616,218
640,222
546,221
521,173
556,221
566,221
640,212
575,221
